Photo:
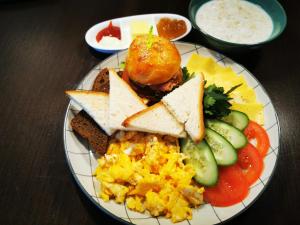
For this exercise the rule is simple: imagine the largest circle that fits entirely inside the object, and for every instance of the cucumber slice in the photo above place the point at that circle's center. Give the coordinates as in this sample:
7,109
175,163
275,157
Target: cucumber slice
223,151
233,135
237,119
202,160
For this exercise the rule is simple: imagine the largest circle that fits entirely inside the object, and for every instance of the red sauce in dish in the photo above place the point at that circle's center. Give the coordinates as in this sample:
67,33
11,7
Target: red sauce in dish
171,28
110,30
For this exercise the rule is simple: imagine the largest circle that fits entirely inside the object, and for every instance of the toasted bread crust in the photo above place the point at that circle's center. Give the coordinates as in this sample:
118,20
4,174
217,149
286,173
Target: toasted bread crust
128,122
129,119
128,87
74,92
201,117
84,125
199,130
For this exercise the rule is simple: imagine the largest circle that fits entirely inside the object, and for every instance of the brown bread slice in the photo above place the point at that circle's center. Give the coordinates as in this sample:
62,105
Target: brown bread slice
101,82
85,126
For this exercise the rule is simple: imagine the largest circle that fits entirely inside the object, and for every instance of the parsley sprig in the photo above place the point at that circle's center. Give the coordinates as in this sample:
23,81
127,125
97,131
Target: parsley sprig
215,100
186,75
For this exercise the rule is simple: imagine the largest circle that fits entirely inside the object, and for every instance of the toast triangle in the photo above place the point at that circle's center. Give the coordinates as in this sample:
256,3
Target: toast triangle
123,101
155,119
96,104
185,103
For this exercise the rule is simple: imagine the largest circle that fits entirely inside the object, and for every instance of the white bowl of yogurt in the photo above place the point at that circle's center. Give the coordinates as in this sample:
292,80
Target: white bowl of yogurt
235,25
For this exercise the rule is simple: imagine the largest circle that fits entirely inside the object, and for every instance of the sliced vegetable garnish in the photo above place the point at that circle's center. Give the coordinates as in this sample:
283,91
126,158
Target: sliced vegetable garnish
232,187
251,162
125,76
201,158
233,135
237,119
223,151
255,131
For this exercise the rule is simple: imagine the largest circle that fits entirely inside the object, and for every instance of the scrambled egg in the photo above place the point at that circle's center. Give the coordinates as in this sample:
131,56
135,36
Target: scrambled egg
147,171
243,98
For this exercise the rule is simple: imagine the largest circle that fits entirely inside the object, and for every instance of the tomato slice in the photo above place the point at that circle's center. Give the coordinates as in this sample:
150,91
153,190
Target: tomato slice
255,131
232,187
125,77
251,163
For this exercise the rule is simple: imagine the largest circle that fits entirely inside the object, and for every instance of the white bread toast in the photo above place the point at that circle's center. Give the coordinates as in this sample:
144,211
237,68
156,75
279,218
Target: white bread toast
155,119
123,101
96,104
185,103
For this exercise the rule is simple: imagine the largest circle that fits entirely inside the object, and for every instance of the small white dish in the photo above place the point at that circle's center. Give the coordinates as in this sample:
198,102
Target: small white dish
124,24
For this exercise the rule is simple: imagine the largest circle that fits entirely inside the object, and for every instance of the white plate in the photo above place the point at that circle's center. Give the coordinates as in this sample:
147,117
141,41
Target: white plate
82,160
124,24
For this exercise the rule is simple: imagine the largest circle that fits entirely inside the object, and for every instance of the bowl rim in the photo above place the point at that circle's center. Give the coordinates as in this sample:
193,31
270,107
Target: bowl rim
233,44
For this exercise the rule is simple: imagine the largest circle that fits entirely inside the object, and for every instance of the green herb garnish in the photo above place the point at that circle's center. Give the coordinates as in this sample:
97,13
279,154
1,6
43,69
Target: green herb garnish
186,75
150,38
216,102
233,88
122,65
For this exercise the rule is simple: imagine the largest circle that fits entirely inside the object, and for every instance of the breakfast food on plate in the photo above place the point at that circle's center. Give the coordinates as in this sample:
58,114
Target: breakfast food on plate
87,128
153,61
123,101
146,171
242,99
185,103
155,119
101,82
164,158
96,105
201,158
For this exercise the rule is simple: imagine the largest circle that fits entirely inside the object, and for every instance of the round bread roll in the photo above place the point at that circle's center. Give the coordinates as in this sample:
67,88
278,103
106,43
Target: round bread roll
152,60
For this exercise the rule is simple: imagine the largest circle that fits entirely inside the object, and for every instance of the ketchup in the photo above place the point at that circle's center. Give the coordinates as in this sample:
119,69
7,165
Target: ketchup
110,30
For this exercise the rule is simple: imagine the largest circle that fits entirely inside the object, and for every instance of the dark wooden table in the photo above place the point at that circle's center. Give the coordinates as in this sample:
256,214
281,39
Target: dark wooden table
43,53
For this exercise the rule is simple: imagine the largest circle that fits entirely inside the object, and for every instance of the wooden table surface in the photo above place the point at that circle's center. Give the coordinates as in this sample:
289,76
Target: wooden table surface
43,53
